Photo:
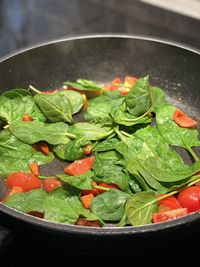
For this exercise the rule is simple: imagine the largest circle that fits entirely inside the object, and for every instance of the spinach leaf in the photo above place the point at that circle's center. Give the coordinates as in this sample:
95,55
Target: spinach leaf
17,102
100,107
109,206
138,100
81,84
121,115
72,150
32,200
12,147
172,133
83,181
107,169
105,145
89,131
159,98
165,171
140,207
75,99
32,132
9,164
66,210
56,107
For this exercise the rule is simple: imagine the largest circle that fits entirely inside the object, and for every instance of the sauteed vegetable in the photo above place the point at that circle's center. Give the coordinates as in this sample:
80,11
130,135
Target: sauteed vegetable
119,144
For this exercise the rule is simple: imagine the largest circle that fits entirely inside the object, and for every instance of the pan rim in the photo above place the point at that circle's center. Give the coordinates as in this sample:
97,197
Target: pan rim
93,36
105,231
171,225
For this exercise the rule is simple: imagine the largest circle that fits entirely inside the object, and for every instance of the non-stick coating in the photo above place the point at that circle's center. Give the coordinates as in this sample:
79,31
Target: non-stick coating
102,58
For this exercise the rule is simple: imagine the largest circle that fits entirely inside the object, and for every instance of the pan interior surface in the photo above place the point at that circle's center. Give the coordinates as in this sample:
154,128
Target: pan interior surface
172,68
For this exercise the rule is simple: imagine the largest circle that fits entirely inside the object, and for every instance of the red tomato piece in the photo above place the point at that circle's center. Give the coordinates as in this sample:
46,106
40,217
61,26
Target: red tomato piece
14,190
36,214
79,167
168,203
23,179
87,150
43,147
100,191
130,80
50,92
183,120
83,222
87,200
93,191
169,215
26,117
50,184
190,198
34,168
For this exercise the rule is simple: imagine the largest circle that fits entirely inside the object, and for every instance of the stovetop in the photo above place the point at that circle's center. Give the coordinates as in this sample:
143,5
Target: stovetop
24,23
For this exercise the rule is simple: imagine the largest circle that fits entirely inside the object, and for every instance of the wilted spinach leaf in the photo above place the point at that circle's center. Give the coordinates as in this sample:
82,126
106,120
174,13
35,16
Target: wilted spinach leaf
32,132
109,206
56,107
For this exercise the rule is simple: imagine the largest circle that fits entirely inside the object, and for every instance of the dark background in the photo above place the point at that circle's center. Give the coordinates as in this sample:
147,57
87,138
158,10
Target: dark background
25,23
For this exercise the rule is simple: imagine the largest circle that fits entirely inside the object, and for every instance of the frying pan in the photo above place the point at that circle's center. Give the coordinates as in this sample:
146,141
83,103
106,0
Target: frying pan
172,67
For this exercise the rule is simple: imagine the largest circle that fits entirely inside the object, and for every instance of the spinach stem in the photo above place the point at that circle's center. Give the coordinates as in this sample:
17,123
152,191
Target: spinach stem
32,88
46,177
138,118
102,187
126,134
72,136
121,136
196,158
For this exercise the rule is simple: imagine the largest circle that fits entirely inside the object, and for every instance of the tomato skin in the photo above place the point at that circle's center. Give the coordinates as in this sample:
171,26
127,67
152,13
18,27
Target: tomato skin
100,191
26,117
83,222
79,167
190,198
130,80
168,215
168,203
14,190
50,184
87,150
23,179
183,120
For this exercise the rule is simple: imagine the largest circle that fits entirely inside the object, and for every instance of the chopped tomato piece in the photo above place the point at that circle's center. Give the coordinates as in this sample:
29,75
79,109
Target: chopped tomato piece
115,84
26,117
130,80
168,203
183,120
14,190
23,179
79,167
124,92
34,168
36,214
87,150
87,200
169,215
43,147
83,222
190,198
50,184
93,191
107,186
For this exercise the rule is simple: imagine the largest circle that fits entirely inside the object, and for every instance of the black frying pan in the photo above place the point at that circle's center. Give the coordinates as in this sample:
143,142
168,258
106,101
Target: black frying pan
101,58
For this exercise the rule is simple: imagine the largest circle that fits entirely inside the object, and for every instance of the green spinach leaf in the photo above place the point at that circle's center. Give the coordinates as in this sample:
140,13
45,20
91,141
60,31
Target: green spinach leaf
32,132
56,107
109,206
